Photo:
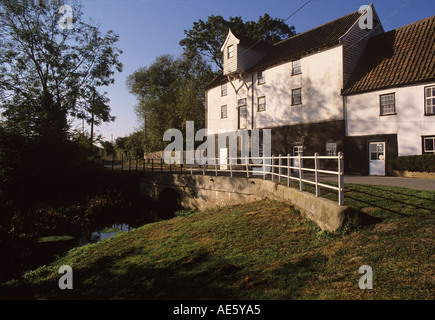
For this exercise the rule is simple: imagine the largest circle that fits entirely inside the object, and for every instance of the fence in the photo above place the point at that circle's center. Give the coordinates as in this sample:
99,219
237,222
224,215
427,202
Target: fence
282,168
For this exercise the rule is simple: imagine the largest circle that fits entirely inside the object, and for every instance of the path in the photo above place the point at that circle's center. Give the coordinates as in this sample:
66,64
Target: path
411,183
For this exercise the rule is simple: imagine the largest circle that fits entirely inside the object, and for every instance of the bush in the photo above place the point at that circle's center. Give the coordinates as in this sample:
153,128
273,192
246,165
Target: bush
418,163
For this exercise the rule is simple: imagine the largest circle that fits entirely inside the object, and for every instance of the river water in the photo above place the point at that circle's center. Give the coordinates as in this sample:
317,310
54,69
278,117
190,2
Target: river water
21,256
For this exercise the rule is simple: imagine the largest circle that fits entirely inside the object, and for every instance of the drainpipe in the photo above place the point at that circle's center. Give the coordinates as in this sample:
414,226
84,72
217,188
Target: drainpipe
252,106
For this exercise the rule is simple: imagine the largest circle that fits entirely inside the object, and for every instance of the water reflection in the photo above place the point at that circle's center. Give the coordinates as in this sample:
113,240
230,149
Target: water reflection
89,236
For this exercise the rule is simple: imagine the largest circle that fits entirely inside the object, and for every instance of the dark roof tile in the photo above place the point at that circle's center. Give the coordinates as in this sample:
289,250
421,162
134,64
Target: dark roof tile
399,57
297,46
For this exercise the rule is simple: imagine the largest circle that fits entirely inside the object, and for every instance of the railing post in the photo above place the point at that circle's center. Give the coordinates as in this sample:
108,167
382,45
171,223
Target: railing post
264,167
122,163
231,167
191,167
247,167
129,164
161,165
215,166
316,173
203,168
288,170
301,183
340,179
113,159
272,163
279,168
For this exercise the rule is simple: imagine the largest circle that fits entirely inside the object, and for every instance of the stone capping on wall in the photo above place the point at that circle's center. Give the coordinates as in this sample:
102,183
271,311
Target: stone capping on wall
209,192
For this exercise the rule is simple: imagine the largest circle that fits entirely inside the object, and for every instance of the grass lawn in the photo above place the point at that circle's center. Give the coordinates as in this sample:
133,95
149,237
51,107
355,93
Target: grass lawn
260,250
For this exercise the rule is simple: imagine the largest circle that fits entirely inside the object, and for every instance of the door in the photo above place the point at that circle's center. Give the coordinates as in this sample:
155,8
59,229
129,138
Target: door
242,118
297,150
377,159
223,158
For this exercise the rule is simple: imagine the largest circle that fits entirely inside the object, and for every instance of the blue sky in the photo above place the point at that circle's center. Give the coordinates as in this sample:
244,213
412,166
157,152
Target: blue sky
150,28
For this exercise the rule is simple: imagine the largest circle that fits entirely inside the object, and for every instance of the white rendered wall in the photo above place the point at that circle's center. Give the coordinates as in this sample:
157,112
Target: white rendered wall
409,123
321,83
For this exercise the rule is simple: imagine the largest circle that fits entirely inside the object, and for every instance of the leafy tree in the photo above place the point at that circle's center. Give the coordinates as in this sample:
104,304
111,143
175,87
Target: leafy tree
206,37
169,92
48,73
135,145
108,148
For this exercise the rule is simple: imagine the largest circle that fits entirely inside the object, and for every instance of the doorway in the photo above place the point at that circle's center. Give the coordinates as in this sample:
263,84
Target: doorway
377,159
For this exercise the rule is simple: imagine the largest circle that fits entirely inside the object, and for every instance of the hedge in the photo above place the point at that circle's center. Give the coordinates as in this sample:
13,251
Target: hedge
419,163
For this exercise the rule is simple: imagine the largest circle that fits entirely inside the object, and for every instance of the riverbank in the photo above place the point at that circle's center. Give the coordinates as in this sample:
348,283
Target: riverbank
261,250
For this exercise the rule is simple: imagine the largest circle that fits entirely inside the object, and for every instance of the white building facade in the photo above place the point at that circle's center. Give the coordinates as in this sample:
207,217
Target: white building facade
310,91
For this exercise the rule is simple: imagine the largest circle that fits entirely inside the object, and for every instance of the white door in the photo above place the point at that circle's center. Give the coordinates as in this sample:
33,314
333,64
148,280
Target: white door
377,158
223,158
297,150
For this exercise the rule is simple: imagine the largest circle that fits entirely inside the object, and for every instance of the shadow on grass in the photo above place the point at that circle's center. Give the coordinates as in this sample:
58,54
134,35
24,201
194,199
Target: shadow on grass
293,277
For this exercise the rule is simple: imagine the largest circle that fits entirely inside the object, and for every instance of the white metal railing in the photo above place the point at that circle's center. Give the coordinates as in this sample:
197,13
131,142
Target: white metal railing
289,168
280,168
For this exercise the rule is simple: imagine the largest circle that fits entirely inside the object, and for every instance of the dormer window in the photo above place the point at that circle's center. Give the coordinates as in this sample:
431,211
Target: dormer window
230,51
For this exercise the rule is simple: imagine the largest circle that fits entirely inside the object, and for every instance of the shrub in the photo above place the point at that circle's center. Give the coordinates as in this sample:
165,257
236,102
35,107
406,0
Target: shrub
418,163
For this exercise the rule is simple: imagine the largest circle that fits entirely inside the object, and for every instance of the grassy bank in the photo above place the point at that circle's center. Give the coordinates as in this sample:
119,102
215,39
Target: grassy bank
261,250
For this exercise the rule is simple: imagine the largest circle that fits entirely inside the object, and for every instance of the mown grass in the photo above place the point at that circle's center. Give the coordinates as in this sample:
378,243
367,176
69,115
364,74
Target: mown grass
260,250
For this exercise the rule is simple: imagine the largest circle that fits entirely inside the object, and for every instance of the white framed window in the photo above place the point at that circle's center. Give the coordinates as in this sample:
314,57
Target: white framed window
429,144
223,112
261,78
429,101
331,149
230,51
224,89
387,104
242,102
262,104
297,96
296,67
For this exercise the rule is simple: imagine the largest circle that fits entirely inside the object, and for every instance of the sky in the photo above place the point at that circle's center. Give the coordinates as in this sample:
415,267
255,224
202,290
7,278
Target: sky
151,28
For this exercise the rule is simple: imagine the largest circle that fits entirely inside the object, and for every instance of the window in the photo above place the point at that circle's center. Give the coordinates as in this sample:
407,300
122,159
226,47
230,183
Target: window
296,96
262,104
331,148
296,67
224,90
387,104
261,78
298,150
428,145
242,102
242,118
230,52
223,112
429,100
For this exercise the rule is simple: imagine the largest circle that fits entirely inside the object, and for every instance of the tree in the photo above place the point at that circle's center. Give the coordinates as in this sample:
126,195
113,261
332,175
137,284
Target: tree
206,38
169,92
48,73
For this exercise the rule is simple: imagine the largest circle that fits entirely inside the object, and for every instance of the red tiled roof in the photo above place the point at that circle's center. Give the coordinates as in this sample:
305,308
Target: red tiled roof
399,57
